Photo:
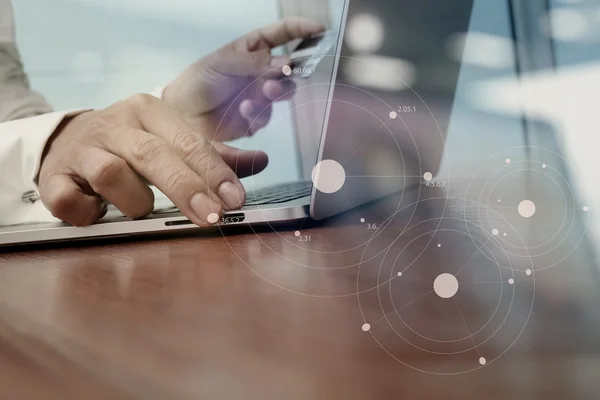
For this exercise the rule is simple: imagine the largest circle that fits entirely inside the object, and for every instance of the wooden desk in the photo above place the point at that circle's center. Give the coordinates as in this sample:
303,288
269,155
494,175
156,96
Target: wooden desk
266,316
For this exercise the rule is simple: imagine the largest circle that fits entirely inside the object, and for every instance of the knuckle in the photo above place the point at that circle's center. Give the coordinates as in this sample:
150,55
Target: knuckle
189,143
139,101
204,160
177,179
103,123
147,150
105,175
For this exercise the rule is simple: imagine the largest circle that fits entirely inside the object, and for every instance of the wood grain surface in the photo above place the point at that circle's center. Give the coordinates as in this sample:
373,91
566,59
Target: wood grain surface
352,313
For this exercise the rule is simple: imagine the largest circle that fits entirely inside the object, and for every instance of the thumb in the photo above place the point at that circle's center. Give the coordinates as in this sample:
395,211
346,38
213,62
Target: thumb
259,63
243,162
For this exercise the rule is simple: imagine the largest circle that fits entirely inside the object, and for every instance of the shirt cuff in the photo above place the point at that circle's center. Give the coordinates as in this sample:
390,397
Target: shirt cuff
41,128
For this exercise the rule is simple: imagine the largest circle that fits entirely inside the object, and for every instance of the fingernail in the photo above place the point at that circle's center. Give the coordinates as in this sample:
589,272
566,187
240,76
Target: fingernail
232,195
205,209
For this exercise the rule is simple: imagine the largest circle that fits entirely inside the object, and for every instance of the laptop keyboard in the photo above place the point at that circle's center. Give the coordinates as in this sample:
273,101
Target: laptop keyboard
279,193
270,195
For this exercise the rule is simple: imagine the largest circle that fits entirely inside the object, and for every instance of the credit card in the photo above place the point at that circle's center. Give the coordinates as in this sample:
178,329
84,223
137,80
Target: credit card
307,56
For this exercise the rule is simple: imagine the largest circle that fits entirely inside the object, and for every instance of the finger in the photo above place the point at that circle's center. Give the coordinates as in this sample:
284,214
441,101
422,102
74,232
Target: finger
285,31
158,163
67,202
186,147
231,129
256,113
260,63
112,178
244,162
226,125
279,90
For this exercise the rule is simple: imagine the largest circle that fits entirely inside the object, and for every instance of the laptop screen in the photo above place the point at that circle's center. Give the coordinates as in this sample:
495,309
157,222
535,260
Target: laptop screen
387,94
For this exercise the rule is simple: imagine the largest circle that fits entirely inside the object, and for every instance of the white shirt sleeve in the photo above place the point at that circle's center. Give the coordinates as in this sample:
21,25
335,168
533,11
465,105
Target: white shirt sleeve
22,144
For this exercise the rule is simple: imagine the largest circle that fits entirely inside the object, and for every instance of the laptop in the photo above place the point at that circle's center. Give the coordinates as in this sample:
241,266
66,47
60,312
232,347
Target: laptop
382,128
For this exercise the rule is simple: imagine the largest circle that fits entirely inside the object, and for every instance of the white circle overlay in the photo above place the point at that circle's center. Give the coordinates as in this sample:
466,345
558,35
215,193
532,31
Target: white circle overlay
212,218
328,176
445,286
526,208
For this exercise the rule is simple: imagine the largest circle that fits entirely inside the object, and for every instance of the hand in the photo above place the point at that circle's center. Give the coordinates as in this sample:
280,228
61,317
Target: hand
228,94
109,153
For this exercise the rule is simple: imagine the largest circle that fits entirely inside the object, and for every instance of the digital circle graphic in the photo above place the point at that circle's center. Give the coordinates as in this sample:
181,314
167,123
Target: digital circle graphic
532,188
526,208
328,176
473,279
361,105
445,285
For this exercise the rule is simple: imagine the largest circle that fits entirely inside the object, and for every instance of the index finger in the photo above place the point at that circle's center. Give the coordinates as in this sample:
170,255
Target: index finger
287,30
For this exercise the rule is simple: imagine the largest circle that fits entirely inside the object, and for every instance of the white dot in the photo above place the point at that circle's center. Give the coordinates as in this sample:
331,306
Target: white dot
400,273
328,176
439,245
526,209
511,281
297,233
482,360
508,160
586,208
364,33
428,176
495,232
528,272
445,286
499,200
366,327
212,218
544,165
287,70
362,220
505,234
393,115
